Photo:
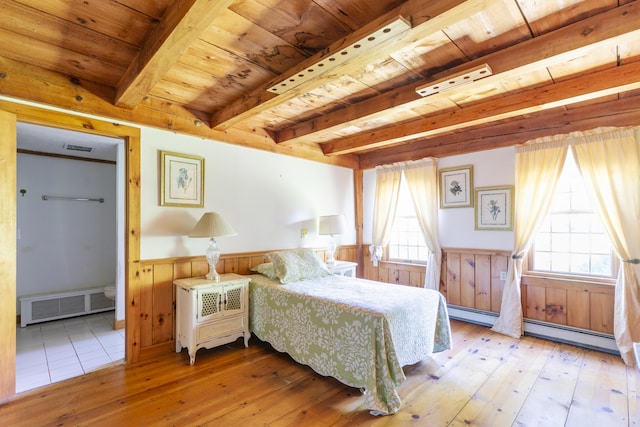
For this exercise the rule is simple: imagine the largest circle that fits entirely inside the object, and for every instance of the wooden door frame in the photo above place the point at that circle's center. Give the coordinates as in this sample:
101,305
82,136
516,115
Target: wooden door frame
7,255
131,137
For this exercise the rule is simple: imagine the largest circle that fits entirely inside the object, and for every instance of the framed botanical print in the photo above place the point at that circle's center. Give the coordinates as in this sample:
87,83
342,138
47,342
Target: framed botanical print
494,208
181,180
456,187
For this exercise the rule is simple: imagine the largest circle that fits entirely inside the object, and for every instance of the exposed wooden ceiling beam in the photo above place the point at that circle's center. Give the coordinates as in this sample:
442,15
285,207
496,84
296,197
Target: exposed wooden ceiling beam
426,17
28,82
180,26
601,31
619,112
619,79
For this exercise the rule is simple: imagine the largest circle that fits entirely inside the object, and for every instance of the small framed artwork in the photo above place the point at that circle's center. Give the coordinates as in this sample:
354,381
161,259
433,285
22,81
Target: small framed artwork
456,186
494,208
181,180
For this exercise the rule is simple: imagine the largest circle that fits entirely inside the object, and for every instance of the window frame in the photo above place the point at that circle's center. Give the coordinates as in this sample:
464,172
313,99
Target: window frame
578,279
567,277
386,252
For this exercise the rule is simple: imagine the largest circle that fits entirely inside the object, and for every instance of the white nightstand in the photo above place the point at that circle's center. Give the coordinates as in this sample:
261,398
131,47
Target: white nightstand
209,314
343,268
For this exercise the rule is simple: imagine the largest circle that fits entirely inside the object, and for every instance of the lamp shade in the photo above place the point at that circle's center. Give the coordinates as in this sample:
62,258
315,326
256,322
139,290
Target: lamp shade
332,224
212,224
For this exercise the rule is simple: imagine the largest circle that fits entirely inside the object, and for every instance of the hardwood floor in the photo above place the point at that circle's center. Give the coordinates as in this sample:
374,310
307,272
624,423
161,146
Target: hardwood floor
487,379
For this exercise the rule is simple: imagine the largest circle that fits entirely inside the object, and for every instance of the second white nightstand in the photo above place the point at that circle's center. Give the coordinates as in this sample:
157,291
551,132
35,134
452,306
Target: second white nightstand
343,268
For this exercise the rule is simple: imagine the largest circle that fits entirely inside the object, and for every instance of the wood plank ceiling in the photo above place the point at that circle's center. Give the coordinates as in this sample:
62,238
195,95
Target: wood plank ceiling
345,72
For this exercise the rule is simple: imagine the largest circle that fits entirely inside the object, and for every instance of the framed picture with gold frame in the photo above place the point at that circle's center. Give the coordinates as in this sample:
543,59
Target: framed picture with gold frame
456,187
494,208
181,180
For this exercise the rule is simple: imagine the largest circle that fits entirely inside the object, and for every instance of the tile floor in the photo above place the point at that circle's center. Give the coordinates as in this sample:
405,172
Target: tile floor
54,351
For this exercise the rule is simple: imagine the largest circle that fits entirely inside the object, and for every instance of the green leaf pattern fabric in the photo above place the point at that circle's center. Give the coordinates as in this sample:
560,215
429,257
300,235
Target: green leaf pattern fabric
357,331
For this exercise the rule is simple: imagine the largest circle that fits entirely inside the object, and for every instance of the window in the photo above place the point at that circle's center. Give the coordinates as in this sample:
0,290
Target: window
406,243
571,241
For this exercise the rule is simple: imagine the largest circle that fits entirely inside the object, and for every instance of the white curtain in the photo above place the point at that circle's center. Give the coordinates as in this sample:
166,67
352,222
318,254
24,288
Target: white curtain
538,165
609,161
422,180
384,210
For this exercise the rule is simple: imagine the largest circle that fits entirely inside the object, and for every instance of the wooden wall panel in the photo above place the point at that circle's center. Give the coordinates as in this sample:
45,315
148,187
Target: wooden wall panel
182,270
471,278
163,302
483,282
468,280
577,313
556,305
536,302
416,278
601,309
499,263
145,306
452,278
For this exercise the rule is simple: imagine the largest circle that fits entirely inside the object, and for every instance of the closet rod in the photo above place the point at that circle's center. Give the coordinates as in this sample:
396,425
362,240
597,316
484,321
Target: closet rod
78,199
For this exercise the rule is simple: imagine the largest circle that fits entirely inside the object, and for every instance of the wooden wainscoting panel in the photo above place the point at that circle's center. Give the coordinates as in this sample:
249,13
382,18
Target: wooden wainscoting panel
471,278
577,313
601,307
483,282
145,305
453,278
583,305
404,277
499,263
536,303
163,303
198,268
556,306
416,277
468,280
182,270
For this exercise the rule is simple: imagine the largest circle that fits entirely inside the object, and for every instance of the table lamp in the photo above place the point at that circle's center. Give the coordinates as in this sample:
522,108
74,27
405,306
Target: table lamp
212,225
332,225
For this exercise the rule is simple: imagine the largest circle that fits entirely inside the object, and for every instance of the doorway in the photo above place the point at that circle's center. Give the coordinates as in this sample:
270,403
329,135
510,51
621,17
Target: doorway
12,111
70,238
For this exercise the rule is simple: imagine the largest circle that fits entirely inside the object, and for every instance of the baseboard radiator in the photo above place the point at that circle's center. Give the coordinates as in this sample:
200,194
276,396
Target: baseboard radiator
546,330
61,305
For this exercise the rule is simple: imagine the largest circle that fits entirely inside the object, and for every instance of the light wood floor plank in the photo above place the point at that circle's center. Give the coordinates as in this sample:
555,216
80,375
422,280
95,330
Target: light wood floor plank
600,398
499,399
487,379
549,401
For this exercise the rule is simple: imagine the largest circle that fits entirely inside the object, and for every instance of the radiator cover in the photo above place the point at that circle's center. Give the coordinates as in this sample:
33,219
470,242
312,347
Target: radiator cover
61,305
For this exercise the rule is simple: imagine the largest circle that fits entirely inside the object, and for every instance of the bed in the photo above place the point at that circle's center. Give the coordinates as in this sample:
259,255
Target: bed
358,331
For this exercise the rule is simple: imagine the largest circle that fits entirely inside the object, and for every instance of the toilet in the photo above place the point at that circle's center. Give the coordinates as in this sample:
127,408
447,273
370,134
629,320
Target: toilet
110,292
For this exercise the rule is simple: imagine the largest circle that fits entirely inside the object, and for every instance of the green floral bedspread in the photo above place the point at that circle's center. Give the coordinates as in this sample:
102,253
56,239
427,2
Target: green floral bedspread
357,331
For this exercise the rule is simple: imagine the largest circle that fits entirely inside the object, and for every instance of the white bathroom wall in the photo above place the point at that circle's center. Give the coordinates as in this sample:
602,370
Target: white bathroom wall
267,198
456,225
64,245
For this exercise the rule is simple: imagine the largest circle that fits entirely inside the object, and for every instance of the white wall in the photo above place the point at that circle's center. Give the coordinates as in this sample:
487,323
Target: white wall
490,168
266,197
64,245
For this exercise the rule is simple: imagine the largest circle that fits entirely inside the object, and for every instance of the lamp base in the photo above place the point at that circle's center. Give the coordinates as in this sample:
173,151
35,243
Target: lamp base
332,250
212,275
213,255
